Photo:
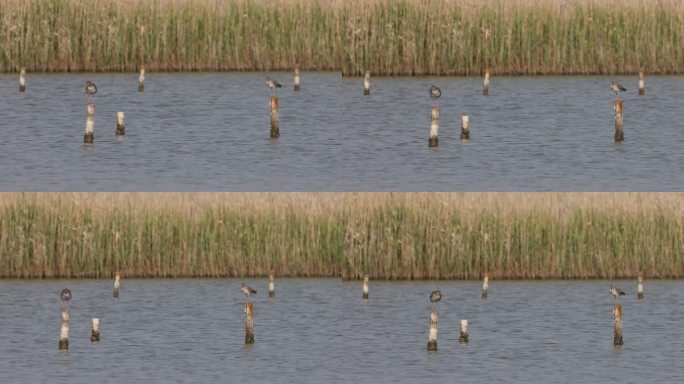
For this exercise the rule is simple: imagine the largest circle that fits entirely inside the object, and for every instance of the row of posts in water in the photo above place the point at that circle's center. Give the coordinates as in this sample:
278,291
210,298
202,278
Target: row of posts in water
433,140
432,332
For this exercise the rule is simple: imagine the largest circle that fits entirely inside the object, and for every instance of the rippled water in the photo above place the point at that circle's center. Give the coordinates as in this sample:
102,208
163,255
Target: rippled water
320,330
210,131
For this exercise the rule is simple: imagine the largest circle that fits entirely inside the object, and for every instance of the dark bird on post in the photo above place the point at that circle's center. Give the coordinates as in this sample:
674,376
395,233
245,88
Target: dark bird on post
273,84
435,297
91,88
247,290
616,292
65,296
617,87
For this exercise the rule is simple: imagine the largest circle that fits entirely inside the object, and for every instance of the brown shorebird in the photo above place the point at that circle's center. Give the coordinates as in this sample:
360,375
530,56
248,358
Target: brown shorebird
435,93
247,290
617,88
65,296
273,84
91,88
435,297
616,292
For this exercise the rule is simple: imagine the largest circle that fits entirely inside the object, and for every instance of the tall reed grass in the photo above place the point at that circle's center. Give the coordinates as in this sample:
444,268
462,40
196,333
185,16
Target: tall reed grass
387,235
389,37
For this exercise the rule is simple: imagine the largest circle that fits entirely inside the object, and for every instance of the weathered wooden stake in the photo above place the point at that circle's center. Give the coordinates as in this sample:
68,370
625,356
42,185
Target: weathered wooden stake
95,335
641,82
64,331
275,129
485,83
366,84
432,336
141,80
465,127
22,79
434,128
619,133
120,124
297,86
90,123
117,284
249,323
464,331
640,287
617,324
365,287
271,285
485,286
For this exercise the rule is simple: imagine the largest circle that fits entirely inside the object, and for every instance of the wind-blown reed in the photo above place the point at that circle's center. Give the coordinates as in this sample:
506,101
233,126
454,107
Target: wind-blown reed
392,37
384,235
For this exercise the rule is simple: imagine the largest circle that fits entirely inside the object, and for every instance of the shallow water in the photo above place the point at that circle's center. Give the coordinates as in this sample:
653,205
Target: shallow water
210,131
320,330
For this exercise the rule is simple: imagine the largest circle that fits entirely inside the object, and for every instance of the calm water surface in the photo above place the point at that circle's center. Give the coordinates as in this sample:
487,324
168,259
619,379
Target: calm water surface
320,330
210,131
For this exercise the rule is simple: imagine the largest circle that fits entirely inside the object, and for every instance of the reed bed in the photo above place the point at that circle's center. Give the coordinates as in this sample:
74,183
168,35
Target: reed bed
387,37
385,235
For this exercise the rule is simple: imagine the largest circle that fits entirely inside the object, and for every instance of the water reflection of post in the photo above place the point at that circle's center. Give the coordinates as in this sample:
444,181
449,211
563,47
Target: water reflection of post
432,336
365,287
249,323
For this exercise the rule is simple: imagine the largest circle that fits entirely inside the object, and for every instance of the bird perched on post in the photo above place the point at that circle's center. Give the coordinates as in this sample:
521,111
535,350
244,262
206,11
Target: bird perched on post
435,92
273,84
615,291
65,296
435,297
91,88
247,290
617,88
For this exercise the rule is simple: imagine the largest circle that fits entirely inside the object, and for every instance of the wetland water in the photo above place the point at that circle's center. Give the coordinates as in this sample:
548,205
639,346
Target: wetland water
210,131
320,330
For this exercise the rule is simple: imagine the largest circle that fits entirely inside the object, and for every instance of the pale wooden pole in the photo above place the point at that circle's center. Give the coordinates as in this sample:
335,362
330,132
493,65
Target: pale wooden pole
275,126
464,332
141,80
485,83
22,79
432,334
271,285
95,334
64,330
90,123
365,287
465,127
617,324
120,124
366,84
619,133
249,323
433,141
117,284
297,85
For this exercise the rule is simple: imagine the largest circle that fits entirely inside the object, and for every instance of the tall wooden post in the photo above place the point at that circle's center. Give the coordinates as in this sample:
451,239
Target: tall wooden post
275,128
619,133
141,80
485,286
433,141
90,123
485,83
365,287
297,86
117,284
120,124
22,79
641,82
271,285
64,330
465,127
617,324
464,332
640,287
95,334
432,335
366,84
249,323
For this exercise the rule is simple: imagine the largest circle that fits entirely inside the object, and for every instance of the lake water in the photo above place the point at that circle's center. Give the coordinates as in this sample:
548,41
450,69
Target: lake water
321,331
210,131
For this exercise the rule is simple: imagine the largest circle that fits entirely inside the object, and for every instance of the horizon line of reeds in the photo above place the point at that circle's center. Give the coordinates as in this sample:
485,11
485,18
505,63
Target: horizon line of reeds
386,37
384,235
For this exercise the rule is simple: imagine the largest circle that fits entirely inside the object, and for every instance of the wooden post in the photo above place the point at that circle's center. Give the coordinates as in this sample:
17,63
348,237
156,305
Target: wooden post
434,128
249,323
365,287
141,80
465,127
95,335
619,133
275,129
640,287
641,82
90,123
432,336
22,79
617,324
64,331
117,284
120,124
485,83
485,286
271,285
297,86
366,84
464,332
